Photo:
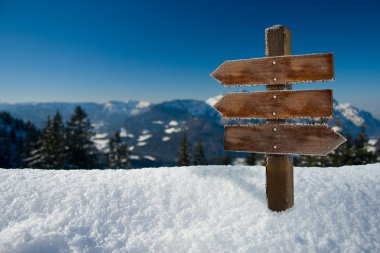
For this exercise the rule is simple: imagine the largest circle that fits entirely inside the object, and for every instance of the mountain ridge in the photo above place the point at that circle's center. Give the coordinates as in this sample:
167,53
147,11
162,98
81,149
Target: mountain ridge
153,131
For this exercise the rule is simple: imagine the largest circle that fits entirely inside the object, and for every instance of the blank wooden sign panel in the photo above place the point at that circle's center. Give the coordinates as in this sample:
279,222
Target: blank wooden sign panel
276,70
282,139
277,104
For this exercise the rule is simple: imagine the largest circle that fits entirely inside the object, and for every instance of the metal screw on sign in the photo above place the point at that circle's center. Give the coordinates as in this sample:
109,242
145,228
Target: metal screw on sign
292,139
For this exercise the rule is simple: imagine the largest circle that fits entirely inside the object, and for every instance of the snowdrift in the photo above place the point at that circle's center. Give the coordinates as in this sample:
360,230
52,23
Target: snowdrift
188,209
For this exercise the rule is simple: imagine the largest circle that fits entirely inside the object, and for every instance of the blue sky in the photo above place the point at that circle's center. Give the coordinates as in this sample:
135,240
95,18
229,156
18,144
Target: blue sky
161,50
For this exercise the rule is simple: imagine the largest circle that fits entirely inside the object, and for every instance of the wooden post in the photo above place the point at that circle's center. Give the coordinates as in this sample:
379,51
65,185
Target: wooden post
279,168
278,70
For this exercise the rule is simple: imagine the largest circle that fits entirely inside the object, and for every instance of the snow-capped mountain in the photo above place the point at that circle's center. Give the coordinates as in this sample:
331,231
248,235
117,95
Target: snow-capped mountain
99,113
153,131
351,119
157,132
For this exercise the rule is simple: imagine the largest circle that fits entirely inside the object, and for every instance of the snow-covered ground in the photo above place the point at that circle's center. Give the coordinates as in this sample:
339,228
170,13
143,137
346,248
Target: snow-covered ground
188,209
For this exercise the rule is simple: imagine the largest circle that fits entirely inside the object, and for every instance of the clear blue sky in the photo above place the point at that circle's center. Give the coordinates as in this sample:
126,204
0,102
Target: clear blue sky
161,50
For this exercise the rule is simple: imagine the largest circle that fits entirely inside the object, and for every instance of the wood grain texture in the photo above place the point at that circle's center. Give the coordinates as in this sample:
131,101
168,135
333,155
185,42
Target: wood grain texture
282,139
279,168
278,41
280,185
276,70
277,104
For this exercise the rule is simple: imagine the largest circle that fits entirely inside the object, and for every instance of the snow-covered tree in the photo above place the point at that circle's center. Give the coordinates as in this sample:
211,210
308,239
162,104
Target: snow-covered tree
38,153
362,154
32,135
4,149
12,136
184,155
226,159
53,143
80,150
48,152
199,155
377,152
118,155
251,159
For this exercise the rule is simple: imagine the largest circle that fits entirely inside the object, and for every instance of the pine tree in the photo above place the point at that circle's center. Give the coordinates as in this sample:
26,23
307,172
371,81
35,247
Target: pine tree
4,149
80,151
36,149
118,156
348,152
184,156
226,159
48,151
251,159
306,161
362,139
53,144
199,155
377,152
32,135
362,154
12,133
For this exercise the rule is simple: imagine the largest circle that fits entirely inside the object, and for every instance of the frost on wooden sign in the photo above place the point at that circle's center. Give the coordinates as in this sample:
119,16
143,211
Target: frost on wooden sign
278,70
281,104
291,139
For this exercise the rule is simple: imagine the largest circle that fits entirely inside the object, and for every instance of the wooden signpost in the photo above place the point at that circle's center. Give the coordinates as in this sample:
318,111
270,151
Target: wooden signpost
276,70
282,139
278,139
277,104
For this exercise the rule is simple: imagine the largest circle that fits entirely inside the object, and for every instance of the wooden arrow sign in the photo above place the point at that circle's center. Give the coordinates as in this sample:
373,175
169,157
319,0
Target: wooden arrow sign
282,139
277,104
276,70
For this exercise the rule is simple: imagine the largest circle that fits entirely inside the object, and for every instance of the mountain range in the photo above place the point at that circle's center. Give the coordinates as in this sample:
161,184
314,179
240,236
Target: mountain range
153,131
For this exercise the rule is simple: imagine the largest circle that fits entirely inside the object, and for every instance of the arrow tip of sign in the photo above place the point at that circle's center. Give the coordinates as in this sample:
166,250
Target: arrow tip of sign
213,74
340,139
216,74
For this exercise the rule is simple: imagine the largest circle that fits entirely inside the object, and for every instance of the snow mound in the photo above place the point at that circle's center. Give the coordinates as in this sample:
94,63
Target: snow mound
124,133
149,157
172,130
173,123
144,137
188,209
101,141
166,138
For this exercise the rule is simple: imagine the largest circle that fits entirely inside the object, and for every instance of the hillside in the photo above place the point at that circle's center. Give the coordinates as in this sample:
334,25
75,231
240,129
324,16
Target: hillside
13,134
188,209
146,126
111,116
